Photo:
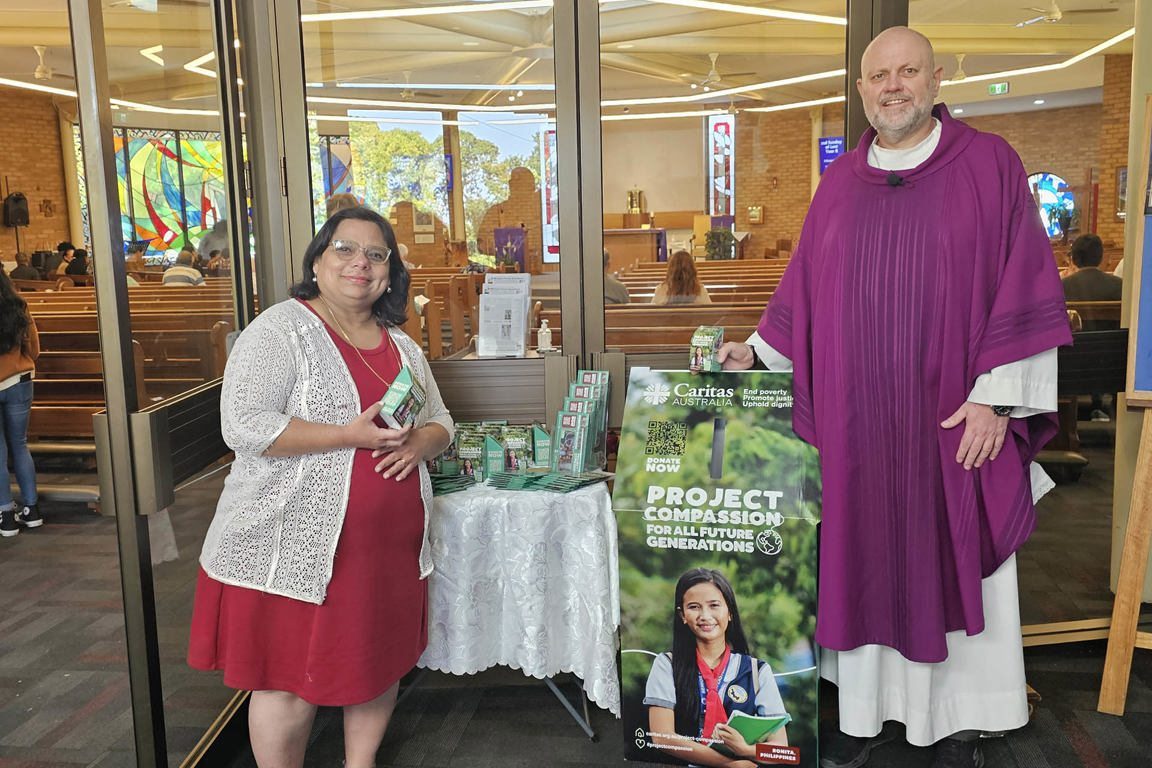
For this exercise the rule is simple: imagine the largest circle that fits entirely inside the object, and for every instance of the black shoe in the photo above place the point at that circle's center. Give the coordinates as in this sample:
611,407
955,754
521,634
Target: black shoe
30,517
8,525
844,751
954,753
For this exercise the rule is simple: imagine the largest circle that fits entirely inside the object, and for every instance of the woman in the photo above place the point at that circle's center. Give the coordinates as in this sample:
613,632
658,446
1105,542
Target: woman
312,586
19,348
681,285
692,692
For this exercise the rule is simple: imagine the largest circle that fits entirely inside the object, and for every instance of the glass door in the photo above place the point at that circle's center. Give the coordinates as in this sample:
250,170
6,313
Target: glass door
157,150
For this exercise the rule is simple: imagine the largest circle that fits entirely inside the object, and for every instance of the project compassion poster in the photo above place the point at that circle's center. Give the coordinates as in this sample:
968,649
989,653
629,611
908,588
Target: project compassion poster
717,502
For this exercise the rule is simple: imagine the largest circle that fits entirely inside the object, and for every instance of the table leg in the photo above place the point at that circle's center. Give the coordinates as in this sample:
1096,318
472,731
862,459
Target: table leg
582,722
412,685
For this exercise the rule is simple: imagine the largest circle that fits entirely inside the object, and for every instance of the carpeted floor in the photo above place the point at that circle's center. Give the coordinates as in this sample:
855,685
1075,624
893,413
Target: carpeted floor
501,720
64,699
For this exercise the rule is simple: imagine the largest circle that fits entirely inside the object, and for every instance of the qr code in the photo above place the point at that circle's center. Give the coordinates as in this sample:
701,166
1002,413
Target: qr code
666,438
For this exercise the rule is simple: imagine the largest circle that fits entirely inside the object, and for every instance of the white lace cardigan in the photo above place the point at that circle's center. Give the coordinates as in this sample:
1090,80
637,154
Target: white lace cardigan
279,518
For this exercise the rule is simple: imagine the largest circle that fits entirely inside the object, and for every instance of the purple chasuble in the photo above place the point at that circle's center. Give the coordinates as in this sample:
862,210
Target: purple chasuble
896,299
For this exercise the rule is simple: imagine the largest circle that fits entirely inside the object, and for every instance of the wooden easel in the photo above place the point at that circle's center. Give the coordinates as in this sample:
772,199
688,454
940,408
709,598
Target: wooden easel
1123,636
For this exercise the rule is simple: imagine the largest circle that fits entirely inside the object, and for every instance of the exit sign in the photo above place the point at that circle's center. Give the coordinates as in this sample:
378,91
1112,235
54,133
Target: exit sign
997,89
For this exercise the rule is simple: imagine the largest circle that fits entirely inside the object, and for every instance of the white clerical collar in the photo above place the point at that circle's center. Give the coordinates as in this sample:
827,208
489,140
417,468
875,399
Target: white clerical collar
903,159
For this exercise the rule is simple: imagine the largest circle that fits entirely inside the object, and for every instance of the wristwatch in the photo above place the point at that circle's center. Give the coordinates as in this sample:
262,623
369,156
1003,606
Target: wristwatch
1002,410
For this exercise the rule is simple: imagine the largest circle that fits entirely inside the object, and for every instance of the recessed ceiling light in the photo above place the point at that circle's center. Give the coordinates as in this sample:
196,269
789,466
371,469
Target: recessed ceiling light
470,43
959,110
1038,101
693,86
626,46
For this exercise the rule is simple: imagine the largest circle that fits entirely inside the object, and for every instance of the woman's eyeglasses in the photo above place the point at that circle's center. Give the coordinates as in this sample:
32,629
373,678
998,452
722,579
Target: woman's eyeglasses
347,249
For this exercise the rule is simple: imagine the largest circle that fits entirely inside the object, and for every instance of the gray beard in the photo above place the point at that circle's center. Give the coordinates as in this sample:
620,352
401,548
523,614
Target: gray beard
894,134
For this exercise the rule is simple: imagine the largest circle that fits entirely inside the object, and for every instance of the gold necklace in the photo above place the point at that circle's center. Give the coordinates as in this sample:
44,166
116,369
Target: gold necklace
347,338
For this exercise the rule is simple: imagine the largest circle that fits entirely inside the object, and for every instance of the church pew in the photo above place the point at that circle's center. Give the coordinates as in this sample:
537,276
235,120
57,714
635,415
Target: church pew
1097,311
140,321
68,389
41,285
646,325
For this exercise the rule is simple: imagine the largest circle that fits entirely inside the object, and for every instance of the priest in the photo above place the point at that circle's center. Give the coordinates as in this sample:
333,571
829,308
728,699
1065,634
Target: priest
920,313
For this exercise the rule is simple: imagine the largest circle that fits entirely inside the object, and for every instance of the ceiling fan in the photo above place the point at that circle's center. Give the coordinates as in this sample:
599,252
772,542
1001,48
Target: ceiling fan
1052,13
712,79
408,94
43,71
959,74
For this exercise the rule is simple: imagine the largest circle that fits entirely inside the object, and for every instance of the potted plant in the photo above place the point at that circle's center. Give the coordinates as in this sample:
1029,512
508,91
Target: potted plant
719,243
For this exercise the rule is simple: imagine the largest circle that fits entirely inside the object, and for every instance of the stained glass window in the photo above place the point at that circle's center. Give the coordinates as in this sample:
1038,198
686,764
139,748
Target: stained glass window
1053,198
171,186
720,154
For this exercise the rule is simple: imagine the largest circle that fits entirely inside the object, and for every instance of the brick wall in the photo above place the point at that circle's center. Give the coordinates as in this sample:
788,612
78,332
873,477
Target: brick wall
1113,141
432,254
1077,141
773,170
521,209
31,162
1072,153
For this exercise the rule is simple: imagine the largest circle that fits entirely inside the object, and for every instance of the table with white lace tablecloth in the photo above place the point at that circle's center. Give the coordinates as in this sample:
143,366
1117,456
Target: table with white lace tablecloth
526,579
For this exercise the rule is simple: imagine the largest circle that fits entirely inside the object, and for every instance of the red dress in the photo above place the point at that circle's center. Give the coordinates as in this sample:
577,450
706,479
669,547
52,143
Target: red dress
373,624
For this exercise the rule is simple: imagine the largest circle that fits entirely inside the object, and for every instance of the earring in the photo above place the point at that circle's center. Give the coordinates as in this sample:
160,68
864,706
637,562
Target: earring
313,278
388,289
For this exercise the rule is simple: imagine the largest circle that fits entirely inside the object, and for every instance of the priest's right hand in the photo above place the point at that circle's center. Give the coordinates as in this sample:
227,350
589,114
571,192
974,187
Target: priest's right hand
736,356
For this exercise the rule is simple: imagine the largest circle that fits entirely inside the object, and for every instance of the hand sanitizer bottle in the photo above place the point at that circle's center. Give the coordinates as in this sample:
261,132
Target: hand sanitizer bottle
544,336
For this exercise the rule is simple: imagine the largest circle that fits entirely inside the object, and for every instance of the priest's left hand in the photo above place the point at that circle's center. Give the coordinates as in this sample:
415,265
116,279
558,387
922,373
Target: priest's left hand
983,433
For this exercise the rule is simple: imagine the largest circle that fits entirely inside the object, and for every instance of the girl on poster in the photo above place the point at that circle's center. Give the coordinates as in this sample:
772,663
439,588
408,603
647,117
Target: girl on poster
709,674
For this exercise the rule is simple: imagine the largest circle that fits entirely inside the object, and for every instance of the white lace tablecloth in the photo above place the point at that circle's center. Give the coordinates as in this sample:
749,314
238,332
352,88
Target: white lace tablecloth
526,579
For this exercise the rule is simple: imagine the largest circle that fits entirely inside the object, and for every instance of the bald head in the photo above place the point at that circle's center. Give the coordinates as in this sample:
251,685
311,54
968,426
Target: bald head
909,41
898,85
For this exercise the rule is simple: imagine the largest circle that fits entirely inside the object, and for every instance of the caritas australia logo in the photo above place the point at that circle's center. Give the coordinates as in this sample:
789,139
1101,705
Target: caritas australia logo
657,394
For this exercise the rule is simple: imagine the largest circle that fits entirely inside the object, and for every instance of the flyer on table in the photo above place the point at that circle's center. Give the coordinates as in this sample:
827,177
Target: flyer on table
717,502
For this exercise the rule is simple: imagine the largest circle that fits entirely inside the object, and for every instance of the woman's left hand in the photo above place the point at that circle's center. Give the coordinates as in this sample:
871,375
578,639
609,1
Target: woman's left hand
401,455
734,741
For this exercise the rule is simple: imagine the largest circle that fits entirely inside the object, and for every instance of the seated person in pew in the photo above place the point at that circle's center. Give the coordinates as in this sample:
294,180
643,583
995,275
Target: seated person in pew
19,348
216,239
339,202
134,261
681,285
79,263
24,269
183,272
1088,282
615,292
63,252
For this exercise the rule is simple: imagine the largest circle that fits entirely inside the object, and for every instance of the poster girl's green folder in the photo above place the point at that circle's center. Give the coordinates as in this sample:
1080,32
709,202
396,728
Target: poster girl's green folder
716,502
753,728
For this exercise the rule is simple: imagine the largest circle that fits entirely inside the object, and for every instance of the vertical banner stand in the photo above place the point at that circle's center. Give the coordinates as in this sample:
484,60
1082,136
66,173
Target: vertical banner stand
1123,635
